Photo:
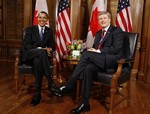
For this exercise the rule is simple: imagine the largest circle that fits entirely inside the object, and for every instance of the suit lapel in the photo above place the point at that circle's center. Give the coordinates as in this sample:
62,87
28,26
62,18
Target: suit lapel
107,34
45,35
97,38
37,33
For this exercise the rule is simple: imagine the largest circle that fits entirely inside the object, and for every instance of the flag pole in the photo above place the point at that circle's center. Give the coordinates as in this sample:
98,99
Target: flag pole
60,80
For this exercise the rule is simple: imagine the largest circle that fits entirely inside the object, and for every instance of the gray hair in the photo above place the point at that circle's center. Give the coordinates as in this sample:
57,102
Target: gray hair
104,12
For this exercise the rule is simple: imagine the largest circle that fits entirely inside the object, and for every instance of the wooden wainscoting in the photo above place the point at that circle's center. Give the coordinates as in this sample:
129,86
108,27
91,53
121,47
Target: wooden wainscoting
7,49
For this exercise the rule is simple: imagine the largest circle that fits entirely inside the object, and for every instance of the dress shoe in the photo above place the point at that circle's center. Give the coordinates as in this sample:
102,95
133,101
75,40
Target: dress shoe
63,90
55,90
80,109
36,99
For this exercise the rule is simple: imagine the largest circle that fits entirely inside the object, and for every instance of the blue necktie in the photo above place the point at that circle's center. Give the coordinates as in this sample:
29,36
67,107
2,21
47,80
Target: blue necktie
41,34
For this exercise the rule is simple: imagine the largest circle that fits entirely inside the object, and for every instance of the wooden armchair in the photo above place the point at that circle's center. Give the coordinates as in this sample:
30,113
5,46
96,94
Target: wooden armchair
22,69
114,79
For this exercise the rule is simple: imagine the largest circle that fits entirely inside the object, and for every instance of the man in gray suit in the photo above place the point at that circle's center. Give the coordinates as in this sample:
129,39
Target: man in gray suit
38,45
106,50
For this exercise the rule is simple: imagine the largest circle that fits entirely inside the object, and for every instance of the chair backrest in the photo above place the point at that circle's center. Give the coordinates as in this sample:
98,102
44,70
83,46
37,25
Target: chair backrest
129,48
129,45
23,36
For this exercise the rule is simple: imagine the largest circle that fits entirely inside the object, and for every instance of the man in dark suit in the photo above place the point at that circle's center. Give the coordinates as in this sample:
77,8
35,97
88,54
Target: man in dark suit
38,45
106,50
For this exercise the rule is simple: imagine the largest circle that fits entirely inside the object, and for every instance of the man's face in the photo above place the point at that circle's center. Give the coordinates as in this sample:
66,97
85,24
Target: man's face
42,19
104,20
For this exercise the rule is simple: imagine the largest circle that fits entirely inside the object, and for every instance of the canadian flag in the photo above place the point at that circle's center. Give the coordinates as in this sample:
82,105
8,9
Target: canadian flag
41,5
98,5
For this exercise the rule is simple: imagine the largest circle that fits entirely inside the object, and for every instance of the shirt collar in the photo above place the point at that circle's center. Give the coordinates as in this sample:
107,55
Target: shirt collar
41,27
106,28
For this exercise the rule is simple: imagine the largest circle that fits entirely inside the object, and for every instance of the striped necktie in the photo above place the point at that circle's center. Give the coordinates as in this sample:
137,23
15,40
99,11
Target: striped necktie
101,39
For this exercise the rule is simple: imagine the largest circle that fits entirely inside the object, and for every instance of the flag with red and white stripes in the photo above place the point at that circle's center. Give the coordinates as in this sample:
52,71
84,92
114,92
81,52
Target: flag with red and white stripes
98,5
41,5
123,18
63,29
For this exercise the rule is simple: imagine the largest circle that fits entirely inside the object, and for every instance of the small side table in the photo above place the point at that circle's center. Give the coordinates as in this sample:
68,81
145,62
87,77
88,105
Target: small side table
72,61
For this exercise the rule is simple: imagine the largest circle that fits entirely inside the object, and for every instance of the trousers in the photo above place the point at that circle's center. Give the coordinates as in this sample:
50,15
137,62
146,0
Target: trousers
89,63
40,62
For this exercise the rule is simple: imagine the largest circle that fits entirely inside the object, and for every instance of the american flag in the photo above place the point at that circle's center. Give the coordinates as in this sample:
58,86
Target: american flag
123,19
63,30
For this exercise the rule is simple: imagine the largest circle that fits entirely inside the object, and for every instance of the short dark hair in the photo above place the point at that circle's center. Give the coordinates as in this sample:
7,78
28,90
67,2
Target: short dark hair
44,13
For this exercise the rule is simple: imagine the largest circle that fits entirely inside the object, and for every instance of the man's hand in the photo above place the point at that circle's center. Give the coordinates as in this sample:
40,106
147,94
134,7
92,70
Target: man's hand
49,50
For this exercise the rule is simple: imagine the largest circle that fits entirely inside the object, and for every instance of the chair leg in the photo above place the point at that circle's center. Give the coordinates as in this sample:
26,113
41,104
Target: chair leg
16,87
16,80
110,112
78,90
128,93
112,94
24,79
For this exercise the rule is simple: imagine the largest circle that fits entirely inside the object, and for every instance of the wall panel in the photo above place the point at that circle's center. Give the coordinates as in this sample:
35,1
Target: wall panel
1,19
13,19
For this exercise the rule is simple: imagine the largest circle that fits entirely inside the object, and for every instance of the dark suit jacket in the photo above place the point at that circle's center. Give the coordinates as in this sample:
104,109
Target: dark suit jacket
112,45
32,40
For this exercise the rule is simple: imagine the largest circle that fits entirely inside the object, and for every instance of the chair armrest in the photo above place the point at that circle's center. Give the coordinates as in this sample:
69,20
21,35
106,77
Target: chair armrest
17,60
54,65
119,69
122,61
17,55
117,73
